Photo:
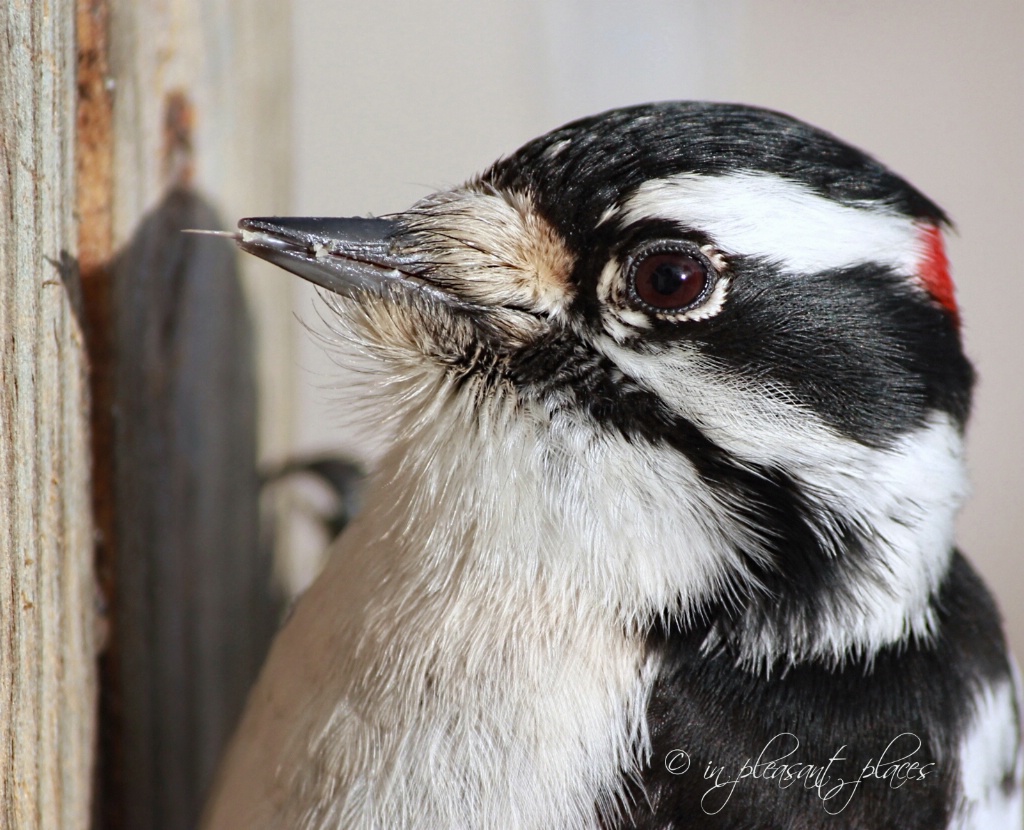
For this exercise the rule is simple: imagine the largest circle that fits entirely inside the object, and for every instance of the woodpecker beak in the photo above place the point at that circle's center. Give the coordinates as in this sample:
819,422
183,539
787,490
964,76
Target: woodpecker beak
349,256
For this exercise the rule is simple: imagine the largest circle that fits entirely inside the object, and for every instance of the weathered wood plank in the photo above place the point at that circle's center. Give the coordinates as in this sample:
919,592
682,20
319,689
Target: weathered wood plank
198,136
47,595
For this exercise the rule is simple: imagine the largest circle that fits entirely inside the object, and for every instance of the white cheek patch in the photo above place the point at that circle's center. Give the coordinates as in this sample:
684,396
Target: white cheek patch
912,526
762,215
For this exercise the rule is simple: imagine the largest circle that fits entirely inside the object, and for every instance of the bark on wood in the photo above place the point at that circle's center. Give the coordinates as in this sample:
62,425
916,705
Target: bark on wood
47,591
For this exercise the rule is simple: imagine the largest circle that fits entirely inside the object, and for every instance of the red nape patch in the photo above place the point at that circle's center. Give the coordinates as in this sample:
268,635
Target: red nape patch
933,270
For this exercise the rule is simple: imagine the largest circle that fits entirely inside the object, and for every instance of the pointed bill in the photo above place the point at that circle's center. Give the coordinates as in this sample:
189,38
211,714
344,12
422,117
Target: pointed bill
347,256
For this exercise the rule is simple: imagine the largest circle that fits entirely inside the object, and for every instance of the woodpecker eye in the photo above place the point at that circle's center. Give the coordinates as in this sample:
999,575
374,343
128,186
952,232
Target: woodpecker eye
670,280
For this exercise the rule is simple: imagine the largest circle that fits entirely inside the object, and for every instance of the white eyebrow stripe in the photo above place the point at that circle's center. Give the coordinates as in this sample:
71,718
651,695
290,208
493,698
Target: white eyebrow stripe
762,215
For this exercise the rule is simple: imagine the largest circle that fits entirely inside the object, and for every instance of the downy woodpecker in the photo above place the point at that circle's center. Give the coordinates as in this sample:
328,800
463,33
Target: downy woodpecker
664,538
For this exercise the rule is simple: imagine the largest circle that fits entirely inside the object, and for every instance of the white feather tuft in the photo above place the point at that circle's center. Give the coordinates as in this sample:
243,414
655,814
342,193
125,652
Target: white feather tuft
991,763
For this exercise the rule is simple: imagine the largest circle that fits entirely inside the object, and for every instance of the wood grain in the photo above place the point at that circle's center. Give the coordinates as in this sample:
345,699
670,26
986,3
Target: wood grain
47,591
132,351
196,91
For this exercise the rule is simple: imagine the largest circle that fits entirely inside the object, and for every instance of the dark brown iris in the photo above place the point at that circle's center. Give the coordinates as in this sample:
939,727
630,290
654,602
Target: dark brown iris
670,280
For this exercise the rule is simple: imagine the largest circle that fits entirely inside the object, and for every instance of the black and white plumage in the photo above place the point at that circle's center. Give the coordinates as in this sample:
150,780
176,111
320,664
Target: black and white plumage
678,399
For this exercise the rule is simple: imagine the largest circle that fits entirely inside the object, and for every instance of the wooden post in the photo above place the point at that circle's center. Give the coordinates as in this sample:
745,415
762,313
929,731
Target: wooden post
47,590
194,94
131,418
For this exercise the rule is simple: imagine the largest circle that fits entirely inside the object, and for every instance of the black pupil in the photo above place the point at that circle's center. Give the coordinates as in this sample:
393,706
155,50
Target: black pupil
667,276
670,280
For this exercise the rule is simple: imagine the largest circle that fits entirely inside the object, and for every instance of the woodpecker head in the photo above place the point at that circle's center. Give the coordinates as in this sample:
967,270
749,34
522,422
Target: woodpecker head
715,351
